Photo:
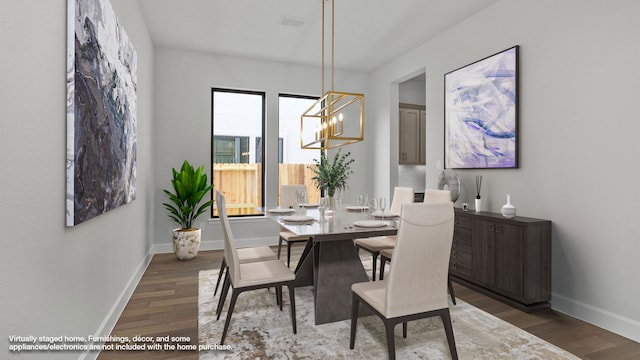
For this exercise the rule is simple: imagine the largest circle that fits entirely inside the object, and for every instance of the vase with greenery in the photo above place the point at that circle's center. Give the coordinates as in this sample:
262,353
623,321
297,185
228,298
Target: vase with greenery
331,176
189,188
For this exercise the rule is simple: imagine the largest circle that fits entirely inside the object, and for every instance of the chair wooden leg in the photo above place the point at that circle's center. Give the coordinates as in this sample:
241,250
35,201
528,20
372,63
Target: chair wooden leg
223,266
279,292
453,296
234,297
448,329
383,262
289,243
404,329
279,246
391,342
223,295
374,258
292,300
355,304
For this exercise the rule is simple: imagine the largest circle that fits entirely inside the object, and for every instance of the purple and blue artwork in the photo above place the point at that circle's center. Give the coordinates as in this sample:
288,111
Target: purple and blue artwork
481,113
101,112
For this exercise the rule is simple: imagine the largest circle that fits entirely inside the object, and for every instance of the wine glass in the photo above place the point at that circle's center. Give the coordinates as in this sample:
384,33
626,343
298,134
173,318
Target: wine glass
373,204
383,204
363,201
301,198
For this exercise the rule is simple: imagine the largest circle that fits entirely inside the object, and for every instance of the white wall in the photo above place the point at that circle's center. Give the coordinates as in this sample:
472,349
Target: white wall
578,134
183,82
412,91
57,280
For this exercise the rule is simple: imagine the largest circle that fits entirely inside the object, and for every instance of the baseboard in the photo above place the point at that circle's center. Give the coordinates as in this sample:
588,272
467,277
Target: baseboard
167,248
114,314
605,319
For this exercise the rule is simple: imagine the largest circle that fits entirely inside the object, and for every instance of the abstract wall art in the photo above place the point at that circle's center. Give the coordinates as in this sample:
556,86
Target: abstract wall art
101,112
481,113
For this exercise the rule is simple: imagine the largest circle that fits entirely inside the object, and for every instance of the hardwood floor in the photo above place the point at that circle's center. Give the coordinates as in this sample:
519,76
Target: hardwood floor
165,302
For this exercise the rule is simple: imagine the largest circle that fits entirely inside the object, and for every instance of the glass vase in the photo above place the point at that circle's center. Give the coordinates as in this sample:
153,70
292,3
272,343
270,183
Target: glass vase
331,211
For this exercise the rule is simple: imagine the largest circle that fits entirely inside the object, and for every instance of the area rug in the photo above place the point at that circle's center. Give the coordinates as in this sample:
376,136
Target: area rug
259,330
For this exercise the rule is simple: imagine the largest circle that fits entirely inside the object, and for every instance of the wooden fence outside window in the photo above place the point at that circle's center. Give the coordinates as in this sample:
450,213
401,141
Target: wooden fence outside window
241,184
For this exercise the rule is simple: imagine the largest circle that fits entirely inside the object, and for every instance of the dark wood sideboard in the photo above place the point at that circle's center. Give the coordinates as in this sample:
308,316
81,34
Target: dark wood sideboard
507,259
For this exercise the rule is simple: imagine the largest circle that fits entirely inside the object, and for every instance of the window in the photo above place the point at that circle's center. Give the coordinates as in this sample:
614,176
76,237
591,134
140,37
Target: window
236,152
293,168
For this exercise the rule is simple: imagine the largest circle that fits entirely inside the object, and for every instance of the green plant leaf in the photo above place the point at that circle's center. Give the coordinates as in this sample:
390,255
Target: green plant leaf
189,188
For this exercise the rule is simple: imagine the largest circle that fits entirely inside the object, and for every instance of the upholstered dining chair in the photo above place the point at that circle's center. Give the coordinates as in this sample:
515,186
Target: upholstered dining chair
250,276
432,196
387,254
288,199
435,195
373,245
247,255
416,286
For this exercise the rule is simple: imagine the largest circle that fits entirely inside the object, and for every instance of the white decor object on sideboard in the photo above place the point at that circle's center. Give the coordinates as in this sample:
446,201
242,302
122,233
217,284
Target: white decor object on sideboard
508,210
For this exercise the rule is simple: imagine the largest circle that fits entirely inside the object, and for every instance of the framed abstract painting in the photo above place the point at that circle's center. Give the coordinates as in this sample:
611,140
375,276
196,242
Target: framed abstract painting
481,113
101,112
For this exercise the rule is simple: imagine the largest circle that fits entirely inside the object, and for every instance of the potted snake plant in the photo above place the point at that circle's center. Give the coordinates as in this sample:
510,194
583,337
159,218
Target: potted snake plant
189,187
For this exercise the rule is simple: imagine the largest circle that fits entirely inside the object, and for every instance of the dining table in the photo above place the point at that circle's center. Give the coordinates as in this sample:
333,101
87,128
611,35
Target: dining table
330,261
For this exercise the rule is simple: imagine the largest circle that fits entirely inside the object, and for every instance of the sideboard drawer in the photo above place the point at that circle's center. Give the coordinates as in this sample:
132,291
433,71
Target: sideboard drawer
461,257
460,268
462,239
463,221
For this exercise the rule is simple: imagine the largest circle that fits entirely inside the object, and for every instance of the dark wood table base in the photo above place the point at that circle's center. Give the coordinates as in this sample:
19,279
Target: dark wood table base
333,266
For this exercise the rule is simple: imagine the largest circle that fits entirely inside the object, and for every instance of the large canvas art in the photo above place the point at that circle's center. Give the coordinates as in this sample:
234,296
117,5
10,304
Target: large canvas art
481,113
101,112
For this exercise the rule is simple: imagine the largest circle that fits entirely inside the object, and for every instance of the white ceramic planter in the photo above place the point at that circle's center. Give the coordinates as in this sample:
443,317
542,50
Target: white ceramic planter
186,243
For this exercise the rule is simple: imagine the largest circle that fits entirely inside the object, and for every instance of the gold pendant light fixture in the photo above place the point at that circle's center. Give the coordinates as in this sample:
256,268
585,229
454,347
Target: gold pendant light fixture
337,118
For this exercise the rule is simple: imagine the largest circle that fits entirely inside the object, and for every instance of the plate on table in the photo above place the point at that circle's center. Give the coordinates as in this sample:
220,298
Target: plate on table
356,208
298,218
385,215
370,223
281,211
309,206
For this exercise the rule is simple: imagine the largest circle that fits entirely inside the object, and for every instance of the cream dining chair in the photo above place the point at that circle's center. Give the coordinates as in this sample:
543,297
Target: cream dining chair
416,286
288,199
387,254
431,196
247,255
250,276
435,195
373,245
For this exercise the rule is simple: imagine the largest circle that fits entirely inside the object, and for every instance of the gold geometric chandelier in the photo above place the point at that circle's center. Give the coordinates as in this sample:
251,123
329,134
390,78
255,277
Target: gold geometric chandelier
337,118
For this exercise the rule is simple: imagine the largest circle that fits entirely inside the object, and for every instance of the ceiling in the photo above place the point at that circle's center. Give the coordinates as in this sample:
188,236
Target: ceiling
368,33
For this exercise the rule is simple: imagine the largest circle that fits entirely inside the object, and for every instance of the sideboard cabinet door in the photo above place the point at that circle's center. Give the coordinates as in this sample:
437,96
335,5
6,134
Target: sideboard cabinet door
509,259
484,255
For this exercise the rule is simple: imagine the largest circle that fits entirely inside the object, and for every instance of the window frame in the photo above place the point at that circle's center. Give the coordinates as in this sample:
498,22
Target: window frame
294,96
263,94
